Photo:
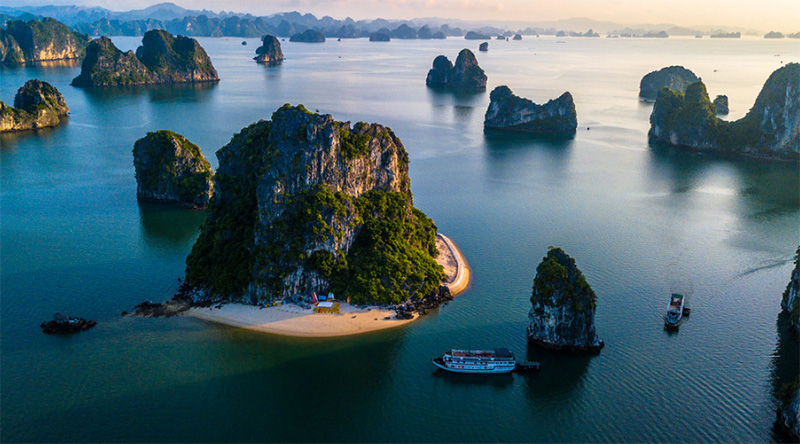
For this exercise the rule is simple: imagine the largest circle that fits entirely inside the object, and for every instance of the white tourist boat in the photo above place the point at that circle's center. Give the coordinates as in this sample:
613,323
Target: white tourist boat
499,360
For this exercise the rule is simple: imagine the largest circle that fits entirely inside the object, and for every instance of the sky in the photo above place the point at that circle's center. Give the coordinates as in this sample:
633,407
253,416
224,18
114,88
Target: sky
783,15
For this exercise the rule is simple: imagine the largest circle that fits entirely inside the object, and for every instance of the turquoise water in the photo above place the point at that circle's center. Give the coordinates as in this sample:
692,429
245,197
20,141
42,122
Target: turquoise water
641,222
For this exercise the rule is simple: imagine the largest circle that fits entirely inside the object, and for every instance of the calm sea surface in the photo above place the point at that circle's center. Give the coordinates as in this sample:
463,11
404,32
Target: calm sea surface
641,223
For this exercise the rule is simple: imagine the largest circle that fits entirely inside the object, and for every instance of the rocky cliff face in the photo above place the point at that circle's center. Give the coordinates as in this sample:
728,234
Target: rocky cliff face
770,129
162,58
508,112
721,105
270,51
563,306
791,297
306,204
465,74
36,105
40,41
676,78
169,168
789,413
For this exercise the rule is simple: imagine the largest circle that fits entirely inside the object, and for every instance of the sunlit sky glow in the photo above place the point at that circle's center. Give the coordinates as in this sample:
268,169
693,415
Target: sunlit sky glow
783,15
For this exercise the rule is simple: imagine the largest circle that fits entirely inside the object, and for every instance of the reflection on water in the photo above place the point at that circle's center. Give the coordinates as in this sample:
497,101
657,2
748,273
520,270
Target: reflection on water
44,64
187,92
169,226
467,379
10,140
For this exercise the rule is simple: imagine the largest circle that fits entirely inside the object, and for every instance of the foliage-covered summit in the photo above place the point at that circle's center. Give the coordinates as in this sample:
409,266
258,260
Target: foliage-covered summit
465,74
676,78
508,112
37,104
162,58
771,128
172,169
304,203
562,306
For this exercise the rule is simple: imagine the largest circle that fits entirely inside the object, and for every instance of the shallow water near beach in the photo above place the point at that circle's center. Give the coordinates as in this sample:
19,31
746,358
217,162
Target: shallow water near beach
641,222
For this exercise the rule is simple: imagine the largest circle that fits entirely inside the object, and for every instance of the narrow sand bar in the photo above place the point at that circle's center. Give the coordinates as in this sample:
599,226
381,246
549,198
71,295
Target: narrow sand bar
293,320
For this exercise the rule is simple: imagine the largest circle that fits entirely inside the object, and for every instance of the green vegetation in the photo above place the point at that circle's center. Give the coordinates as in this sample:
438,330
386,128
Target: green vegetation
558,276
38,40
354,143
691,118
158,149
372,248
222,259
392,257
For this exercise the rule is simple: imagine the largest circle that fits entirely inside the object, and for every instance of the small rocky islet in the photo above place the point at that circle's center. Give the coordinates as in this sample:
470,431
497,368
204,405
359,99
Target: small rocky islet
37,41
269,52
465,74
676,78
562,306
169,168
161,59
63,324
508,112
37,105
771,129
308,36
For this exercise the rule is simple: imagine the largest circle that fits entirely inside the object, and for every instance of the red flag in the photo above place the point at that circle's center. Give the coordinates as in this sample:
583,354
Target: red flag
314,297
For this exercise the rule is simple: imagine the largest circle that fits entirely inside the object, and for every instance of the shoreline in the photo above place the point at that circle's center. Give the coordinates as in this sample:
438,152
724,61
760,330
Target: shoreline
293,320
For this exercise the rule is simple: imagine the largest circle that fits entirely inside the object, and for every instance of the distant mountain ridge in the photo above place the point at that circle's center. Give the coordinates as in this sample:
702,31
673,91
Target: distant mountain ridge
176,19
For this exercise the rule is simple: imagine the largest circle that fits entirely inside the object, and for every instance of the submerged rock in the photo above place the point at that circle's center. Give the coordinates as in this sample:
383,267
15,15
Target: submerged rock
40,41
308,36
770,129
721,105
302,204
162,58
508,112
270,51
563,306
65,324
169,168
676,78
465,74
36,105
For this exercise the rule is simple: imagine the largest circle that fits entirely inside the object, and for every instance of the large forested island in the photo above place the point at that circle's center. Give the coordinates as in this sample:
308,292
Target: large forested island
303,203
38,41
162,58
770,129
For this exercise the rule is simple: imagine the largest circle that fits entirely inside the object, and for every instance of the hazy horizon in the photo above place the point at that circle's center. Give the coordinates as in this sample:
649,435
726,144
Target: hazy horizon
781,15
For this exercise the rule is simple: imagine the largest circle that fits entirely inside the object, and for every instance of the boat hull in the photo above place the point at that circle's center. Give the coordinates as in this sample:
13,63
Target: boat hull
495,370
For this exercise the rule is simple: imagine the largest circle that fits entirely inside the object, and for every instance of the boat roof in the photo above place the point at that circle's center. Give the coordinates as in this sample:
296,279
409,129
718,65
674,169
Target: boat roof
496,353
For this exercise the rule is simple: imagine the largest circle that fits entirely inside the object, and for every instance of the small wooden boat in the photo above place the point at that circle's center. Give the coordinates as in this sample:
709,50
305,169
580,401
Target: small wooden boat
674,310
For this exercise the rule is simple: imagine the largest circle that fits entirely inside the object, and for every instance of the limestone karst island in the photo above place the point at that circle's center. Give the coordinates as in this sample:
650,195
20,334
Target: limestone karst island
399,221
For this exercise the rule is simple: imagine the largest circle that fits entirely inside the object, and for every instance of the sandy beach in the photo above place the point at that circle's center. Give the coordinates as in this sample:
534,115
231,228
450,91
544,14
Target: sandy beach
293,320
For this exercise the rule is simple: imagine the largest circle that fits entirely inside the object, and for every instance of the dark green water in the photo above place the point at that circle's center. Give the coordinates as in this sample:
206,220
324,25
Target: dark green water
641,222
